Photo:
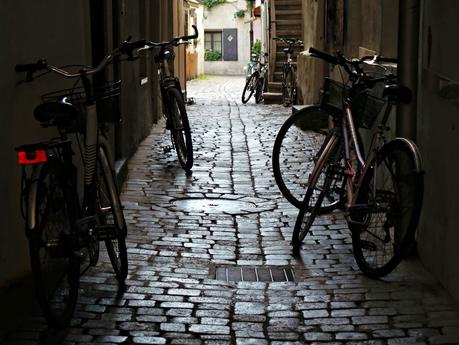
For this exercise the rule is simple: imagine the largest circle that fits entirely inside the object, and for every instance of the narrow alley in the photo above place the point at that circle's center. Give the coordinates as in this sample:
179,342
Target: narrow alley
210,257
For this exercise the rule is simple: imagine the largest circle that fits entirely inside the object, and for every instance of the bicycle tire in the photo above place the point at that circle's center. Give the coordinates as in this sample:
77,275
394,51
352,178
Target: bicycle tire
396,174
259,90
54,263
295,151
315,193
287,87
249,87
180,131
110,212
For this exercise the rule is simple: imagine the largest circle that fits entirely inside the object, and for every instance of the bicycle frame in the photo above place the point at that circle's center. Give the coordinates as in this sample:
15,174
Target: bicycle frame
166,79
356,172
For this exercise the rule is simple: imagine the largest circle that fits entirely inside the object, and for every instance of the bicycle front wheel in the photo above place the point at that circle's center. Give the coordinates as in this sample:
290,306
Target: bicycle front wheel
249,87
110,216
319,186
295,152
180,132
388,207
54,262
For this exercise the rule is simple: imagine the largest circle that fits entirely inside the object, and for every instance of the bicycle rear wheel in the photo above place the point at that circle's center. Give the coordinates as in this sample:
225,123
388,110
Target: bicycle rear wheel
54,262
259,90
388,207
249,87
180,132
110,215
288,88
295,152
320,183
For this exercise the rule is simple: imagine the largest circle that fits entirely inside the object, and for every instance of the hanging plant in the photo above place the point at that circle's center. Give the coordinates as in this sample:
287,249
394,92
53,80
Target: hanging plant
250,4
211,3
256,47
239,14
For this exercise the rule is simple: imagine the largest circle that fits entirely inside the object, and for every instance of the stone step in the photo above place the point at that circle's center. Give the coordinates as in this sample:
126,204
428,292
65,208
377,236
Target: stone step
272,97
274,86
288,22
290,33
287,13
288,5
288,2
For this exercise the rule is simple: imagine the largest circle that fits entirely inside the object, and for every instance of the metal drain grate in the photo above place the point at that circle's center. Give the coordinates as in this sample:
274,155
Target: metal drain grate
255,274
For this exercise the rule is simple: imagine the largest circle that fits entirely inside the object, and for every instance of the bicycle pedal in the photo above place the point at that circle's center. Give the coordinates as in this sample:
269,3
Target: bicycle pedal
105,232
85,223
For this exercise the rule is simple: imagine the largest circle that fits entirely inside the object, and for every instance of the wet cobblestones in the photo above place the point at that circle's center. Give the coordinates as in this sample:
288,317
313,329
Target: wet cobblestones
174,250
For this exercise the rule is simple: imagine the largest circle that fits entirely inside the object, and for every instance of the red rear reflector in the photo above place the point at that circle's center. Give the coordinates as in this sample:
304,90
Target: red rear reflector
32,157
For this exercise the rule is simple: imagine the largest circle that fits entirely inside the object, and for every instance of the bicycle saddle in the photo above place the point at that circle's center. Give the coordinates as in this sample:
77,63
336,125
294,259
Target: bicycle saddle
398,93
288,50
56,111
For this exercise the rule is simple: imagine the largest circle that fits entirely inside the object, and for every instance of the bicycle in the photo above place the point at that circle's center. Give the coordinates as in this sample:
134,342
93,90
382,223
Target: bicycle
257,81
173,98
63,230
289,87
381,194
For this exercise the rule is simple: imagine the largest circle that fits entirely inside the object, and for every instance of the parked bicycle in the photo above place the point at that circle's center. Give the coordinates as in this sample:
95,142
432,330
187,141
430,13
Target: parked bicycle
381,192
64,230
257,82
173,98
289,86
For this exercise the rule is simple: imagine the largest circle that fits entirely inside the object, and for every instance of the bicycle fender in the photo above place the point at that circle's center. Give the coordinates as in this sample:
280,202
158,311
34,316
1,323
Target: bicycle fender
411,146
104,160
32,198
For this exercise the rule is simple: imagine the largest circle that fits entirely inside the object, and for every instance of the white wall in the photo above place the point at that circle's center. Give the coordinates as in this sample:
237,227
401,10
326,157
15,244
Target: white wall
222,17
200,45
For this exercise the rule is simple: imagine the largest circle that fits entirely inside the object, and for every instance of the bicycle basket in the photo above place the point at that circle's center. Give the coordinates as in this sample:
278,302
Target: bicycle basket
365,106
106,97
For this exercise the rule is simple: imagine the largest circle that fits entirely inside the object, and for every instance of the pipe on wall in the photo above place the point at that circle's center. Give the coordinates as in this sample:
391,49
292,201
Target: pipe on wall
408,55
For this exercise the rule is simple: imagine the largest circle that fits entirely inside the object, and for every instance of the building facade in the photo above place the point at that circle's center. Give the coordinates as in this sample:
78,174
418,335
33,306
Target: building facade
227,37
69,32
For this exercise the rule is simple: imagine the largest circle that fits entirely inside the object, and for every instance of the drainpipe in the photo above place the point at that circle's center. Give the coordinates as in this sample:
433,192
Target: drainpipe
408,55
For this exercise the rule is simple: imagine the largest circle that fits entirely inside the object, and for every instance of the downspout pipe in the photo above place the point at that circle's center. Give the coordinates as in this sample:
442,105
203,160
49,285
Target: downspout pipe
408,55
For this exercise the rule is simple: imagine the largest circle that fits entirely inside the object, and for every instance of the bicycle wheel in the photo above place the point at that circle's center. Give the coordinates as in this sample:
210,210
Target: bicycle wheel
110,215
388,206
180,132
259,90
54,262
249,87
295,153
287,87
320,183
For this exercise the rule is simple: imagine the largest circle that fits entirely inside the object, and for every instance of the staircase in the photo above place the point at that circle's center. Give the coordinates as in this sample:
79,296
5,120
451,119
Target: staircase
286,21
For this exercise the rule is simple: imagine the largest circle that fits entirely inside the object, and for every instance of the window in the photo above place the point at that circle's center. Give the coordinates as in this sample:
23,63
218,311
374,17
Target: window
213,45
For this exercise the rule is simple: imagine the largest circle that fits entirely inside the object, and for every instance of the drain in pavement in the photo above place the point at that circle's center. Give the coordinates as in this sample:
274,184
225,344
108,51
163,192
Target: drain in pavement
255,274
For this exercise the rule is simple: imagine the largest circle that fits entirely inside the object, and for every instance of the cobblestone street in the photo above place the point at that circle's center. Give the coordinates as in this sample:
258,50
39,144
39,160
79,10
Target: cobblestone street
210,256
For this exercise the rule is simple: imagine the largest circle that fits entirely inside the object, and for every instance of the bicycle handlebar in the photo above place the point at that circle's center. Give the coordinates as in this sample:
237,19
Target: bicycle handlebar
322,55
42,64
353,66
191,37
126,48
175,41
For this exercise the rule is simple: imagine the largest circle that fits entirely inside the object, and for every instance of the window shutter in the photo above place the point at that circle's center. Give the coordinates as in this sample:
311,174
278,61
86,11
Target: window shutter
230,45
